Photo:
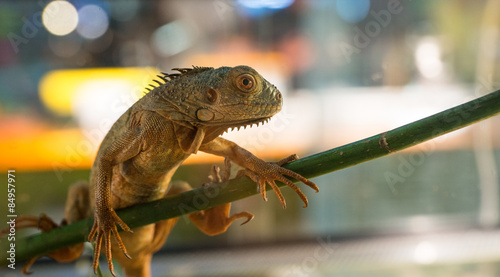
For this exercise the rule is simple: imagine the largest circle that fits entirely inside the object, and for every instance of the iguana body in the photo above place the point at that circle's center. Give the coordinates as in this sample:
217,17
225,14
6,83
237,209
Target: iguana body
186,113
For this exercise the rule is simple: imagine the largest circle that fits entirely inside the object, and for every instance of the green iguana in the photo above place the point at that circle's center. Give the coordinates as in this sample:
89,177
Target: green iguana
185,114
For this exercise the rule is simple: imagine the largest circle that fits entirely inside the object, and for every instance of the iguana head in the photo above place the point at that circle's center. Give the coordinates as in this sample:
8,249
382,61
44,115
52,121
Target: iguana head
217,99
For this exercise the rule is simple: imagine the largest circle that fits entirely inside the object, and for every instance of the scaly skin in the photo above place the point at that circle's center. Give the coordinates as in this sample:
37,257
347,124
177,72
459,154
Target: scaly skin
186,113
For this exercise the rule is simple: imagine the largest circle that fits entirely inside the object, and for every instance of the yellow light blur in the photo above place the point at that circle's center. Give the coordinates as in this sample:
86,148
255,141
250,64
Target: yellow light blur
60,18
58,88
44,149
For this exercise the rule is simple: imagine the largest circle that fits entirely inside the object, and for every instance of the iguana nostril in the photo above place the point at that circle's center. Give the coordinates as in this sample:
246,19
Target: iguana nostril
212,95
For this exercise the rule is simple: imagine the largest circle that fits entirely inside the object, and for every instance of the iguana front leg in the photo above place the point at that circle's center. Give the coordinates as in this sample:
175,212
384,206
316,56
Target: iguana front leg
258,170
123,148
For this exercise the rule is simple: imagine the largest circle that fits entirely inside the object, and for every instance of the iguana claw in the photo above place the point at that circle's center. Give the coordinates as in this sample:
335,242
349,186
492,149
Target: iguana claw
269,173
104,225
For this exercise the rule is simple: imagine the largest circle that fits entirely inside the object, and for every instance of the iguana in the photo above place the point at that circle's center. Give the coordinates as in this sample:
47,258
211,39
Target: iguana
186,113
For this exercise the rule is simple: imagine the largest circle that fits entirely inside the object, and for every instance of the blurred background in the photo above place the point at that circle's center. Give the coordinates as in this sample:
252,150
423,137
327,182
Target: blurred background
348,69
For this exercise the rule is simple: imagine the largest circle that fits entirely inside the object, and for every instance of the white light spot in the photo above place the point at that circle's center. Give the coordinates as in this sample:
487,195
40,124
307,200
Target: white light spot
93,21
428,59
60,18
425,253
98,103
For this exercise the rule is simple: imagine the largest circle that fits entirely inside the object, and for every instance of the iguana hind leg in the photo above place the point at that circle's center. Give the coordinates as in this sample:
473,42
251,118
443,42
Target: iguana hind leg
45,224
216,220
76,209
211,222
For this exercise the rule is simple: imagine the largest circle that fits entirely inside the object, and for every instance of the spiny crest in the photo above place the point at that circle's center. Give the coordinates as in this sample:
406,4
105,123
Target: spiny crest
166,77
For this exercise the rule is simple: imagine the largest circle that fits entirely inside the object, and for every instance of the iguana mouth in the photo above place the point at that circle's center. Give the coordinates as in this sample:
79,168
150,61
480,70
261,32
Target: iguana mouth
245,124
236,125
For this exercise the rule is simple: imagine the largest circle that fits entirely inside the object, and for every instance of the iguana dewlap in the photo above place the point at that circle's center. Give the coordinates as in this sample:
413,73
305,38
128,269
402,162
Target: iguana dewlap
185,114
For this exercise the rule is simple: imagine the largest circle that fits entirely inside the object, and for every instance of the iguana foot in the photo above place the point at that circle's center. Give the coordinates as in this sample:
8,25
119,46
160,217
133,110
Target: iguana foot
215,177
45,224
104,226
216,220
269,173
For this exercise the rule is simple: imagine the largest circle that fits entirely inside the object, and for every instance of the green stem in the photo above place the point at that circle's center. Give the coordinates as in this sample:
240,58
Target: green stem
232,190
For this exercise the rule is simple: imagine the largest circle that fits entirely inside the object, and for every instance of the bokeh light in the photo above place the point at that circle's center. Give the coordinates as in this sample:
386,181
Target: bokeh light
270,4
106,98
425,253
58,88
172,38
353,11
60,18
428,58
258,8
93,22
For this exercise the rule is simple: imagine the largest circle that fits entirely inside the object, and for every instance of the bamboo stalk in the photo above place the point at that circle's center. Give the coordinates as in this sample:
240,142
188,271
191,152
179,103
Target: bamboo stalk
232,190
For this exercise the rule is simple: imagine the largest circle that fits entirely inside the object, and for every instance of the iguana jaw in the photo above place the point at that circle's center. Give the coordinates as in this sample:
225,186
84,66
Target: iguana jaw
234,125
246,123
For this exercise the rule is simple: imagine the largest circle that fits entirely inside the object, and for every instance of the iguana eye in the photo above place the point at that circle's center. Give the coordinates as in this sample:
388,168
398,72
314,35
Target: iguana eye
246,82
